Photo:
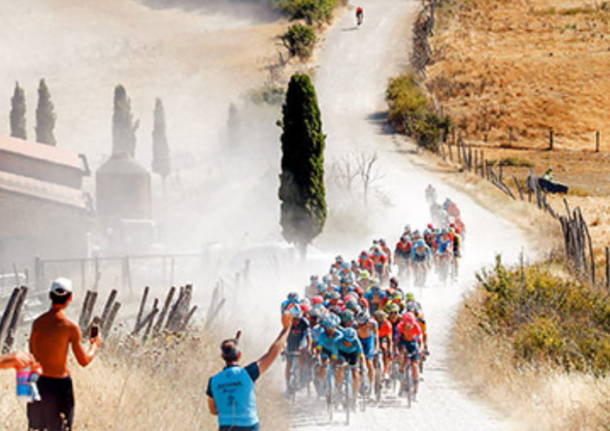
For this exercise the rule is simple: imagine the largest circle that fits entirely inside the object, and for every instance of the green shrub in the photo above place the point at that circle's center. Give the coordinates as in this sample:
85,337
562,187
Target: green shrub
312,11
546,319
299,40
412,113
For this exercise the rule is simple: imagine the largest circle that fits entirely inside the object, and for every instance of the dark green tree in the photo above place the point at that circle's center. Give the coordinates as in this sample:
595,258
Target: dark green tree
17,115
302,192
123,125
161,161
45,116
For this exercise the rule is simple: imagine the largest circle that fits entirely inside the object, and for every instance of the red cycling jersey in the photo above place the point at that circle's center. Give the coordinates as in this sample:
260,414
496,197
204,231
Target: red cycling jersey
411,333
385,329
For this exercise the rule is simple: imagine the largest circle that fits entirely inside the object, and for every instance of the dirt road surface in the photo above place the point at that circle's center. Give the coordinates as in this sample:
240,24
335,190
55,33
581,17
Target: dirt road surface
354,67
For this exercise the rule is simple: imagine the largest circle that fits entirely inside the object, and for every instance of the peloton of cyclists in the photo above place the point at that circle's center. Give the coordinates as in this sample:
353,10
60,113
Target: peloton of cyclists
358,314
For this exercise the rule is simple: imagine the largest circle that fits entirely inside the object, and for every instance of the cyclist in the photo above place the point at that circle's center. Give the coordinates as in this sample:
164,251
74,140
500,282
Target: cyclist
365,262
349,350
299,343
457,252
386,250
385,336
327,342
430,194
402,254
411,304
359,15
380,262
444,254
409,346
367,329
375,296
421,256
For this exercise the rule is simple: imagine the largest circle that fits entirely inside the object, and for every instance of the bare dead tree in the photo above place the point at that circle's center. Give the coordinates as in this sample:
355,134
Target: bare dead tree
368,172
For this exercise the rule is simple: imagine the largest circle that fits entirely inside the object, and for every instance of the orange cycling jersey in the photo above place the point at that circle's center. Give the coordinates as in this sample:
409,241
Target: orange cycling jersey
385,329
409,334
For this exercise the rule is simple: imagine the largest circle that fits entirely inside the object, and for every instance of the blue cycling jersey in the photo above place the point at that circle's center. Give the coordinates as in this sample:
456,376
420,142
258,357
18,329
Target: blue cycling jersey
329,343
234,394
354,347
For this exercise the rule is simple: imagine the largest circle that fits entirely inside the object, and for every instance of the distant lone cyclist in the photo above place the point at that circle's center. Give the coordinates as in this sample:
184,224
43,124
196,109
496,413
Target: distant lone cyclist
359,15
231,393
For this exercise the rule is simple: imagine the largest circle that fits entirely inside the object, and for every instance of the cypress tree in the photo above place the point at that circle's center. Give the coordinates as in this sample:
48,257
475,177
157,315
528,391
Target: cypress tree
123,125
232,125
45,116
17,115
161,161
302,192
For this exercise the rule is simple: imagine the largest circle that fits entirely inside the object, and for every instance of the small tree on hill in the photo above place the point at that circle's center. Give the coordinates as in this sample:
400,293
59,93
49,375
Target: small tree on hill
17,115
161,161
45,116
302,192
123,125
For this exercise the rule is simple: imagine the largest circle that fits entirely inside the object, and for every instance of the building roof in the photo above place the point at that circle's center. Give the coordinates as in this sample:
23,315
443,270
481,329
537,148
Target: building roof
46,153
45,191
122,164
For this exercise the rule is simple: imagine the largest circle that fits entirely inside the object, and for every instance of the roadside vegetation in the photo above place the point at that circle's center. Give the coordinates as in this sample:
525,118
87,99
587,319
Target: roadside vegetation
162,376
311,11
413,113
299,40
536,333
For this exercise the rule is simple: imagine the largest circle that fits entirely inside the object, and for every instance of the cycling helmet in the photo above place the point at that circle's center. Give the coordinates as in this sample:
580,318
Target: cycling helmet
362,318
293,297
381,315
382,241
359,290
313,278
375,290
305,308
352,304
317,300
347,316
330,321
365,275
350,335
339,259
392,308
408,317
410,296
394,282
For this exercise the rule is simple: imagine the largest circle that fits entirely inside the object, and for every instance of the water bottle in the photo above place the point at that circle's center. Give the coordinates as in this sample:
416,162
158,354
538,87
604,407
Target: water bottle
24,388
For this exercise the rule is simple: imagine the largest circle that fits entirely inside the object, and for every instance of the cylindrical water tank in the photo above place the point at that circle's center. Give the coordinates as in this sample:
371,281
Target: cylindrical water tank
123,189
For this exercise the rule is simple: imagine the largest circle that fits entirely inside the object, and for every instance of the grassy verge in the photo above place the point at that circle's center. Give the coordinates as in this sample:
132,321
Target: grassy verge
159,386
412,112
537,344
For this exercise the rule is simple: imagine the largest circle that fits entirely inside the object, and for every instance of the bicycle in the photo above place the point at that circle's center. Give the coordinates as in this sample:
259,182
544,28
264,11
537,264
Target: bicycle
349,402
294,378
407,387
378,384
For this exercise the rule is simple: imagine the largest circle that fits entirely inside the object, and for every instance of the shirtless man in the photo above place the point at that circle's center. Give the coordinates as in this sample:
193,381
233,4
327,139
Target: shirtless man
52,334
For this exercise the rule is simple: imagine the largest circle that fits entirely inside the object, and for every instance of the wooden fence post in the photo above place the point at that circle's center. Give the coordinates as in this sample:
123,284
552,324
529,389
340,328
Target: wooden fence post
518,187
608,268
551,139
597,141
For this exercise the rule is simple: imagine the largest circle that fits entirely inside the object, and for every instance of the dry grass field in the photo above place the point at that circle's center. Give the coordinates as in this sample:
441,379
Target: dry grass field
159,386
508,71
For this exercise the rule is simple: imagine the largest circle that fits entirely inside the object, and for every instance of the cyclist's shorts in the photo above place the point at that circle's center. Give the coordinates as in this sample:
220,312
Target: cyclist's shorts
368,347
326,354
350,358
293,346
412,348
379,268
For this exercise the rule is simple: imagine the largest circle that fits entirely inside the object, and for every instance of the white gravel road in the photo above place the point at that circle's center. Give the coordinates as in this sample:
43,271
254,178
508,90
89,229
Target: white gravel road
354,67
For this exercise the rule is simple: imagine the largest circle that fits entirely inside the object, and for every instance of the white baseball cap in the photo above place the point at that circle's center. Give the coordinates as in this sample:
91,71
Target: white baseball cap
61,286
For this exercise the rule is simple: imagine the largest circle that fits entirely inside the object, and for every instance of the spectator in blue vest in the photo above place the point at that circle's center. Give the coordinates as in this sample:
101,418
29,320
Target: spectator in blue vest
231,393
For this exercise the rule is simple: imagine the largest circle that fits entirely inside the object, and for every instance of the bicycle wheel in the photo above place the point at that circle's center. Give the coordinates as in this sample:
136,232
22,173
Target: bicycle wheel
408,385
329,397
347,394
